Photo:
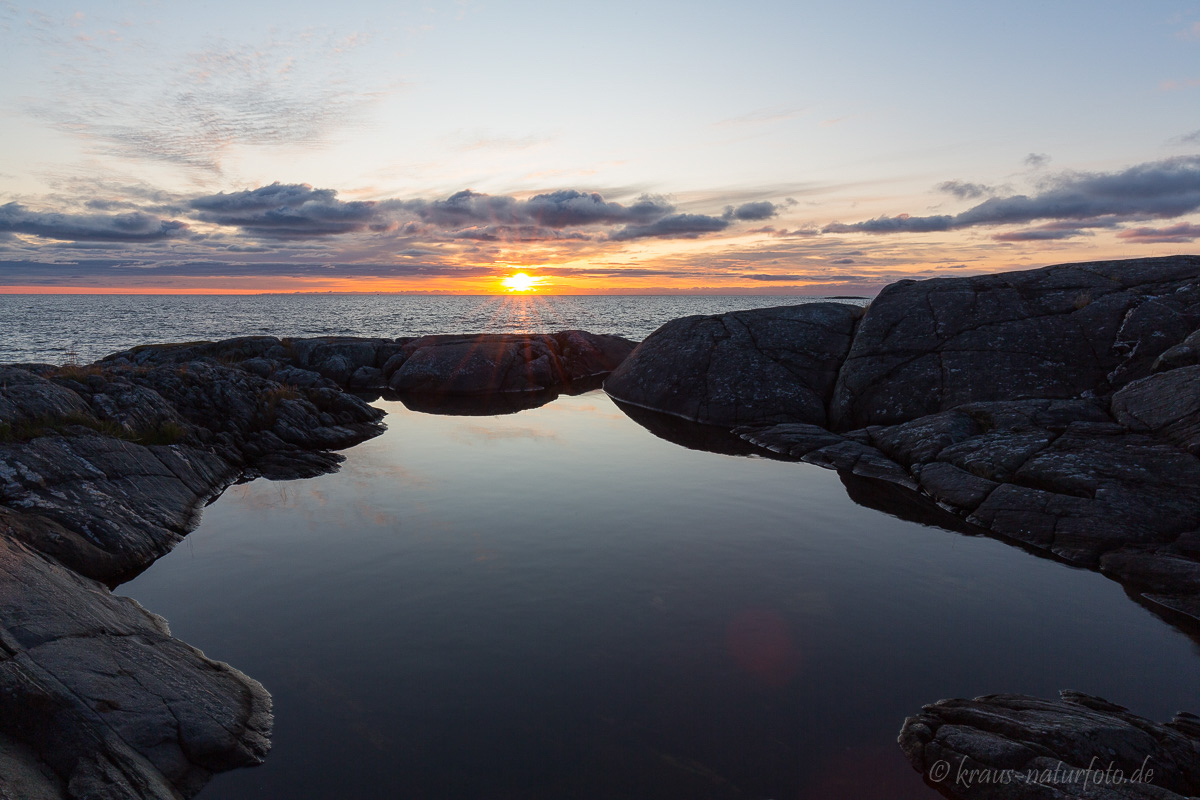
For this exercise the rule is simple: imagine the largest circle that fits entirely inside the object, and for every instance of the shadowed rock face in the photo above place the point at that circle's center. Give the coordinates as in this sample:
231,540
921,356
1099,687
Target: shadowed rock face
745,367
1013,746
1058,332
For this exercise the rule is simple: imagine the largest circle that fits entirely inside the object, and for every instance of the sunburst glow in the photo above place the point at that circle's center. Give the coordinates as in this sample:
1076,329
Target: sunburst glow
520,282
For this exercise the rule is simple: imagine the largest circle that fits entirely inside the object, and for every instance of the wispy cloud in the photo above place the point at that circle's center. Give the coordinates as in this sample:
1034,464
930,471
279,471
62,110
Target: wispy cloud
964,190
198,106
1182,232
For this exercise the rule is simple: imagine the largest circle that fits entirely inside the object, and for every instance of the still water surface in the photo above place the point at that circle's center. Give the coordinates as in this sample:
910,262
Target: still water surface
558,604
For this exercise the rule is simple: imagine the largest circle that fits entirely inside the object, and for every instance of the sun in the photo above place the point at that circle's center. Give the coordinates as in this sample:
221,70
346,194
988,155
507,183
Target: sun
520,282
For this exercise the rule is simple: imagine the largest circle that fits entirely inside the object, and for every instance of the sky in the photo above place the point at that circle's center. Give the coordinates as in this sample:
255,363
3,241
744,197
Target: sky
618,147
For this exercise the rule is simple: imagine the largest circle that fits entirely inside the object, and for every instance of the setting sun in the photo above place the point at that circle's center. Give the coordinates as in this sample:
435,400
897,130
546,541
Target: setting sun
520,282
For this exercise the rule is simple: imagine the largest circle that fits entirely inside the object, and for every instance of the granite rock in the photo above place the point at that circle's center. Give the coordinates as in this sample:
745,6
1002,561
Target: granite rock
742,368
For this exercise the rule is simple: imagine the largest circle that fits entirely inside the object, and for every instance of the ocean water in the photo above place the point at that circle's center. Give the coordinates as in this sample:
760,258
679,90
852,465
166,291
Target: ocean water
60,328
557,603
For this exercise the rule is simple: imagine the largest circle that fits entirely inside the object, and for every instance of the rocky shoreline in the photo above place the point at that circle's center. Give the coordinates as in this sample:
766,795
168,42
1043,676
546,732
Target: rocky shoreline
1057,408
104,468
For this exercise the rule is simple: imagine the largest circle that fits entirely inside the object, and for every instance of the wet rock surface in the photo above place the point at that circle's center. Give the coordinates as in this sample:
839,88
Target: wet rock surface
1014,746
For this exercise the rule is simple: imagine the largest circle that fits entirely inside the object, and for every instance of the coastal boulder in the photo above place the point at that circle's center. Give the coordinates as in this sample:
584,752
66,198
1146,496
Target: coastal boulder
458,365
496,363
767,365
586,355
1056,332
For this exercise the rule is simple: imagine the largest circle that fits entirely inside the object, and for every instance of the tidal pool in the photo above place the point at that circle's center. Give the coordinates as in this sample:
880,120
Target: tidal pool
558,604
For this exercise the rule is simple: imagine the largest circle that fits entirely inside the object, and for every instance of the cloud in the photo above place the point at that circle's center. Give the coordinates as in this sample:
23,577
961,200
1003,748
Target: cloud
963,190
1186,139
773,277
676,226
131,227
901,223
1040,235
1182,232
752,212
560,209
193,108
288,211
1155,190
1036,160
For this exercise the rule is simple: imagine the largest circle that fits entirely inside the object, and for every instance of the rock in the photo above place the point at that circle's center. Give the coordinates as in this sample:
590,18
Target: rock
393,363
1184,354
588,355
228,351
496,363
351,351
1057,332
792,439
444,365
262,367
1166,404
742,368
1015,746
302,378
111,704
366,378
27,398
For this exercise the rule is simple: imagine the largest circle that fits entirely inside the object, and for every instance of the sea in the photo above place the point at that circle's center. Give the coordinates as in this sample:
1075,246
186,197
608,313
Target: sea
58,329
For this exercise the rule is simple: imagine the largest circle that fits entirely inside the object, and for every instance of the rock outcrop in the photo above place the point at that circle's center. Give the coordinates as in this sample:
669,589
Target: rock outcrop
102,470
1054,333
1013,746
496,363
742,368
441,366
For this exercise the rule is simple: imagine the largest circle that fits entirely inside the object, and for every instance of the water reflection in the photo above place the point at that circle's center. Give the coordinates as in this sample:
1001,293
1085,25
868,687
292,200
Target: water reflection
486,405
880,495
554,604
